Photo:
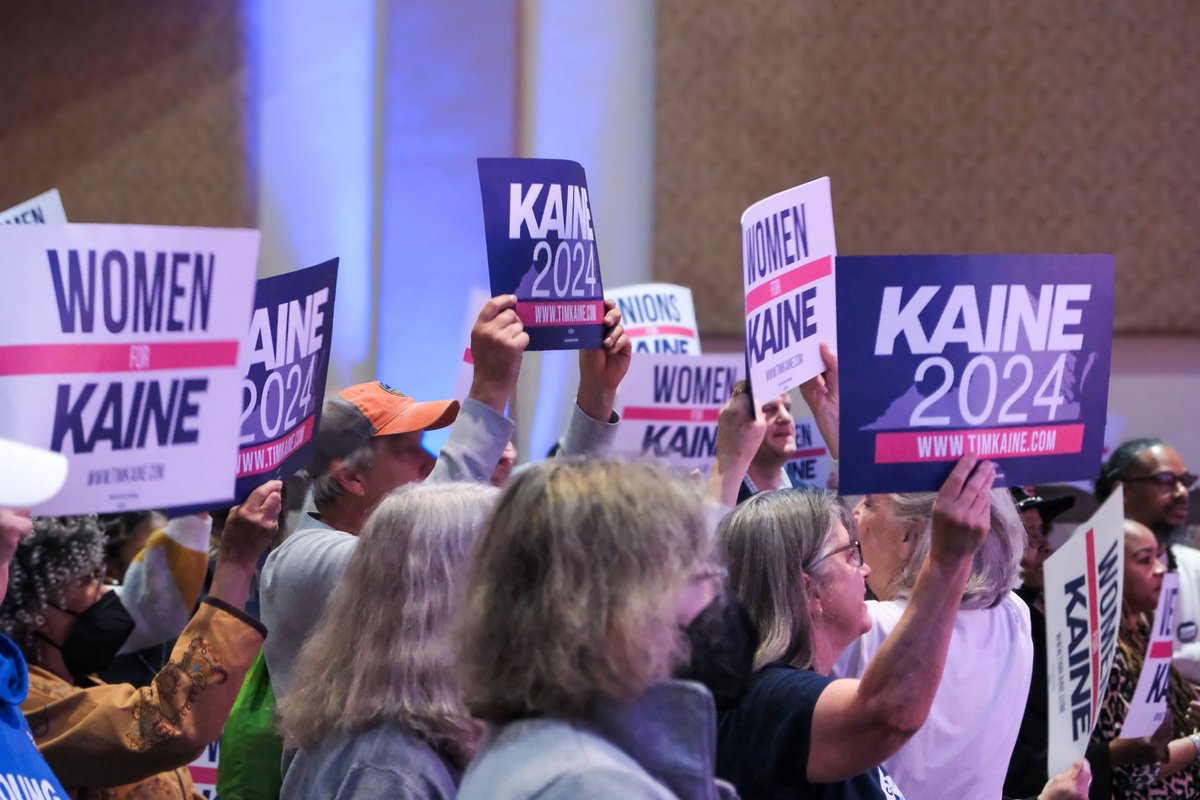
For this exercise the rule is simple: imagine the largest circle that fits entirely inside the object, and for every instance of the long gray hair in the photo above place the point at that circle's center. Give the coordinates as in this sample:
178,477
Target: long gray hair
768,543
997,567
382,651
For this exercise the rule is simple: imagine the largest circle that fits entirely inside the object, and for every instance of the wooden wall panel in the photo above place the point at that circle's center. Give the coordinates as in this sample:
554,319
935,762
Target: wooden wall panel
947,126
136,111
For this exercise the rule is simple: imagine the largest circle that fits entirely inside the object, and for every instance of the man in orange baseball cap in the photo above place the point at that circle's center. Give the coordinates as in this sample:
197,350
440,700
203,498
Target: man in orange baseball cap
369,443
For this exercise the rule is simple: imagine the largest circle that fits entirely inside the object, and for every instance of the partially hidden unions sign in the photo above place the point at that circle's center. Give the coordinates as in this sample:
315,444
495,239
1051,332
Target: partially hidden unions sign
1149,705
283,391
1083,590
1004,356
788,254
45,209
121,351
541,246
669,406
658,317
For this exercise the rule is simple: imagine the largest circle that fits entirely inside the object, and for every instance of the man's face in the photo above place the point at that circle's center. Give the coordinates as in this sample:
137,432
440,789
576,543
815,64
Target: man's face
1037,549
780,440
399,459
1158,502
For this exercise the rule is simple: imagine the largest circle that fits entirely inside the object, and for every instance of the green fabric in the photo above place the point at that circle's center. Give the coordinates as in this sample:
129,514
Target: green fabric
251,750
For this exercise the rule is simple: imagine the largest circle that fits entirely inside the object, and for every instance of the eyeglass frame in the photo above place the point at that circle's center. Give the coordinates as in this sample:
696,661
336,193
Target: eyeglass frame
855,544
1166,479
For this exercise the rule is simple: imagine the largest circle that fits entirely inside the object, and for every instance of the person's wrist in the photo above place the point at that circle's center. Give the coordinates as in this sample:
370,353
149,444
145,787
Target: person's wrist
493,394
596,401
1194,738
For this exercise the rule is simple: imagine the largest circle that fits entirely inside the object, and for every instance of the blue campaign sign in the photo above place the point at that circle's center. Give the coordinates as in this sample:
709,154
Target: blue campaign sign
283,390
542,247
1006,356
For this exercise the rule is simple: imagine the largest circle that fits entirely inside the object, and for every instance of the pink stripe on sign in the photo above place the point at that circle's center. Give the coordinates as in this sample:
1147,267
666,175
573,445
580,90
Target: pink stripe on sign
467,357
815,452
1094,615
911,447
55,359
1160,650
540,313
660,330
788,282
204,776
655,414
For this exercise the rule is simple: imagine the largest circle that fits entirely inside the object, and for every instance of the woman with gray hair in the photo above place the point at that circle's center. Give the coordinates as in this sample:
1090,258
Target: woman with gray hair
374,705
977,710
796,563
581,585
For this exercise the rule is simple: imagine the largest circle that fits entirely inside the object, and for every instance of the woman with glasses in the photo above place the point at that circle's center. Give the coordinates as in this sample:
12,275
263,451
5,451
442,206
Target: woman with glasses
797,565
581,586
963,748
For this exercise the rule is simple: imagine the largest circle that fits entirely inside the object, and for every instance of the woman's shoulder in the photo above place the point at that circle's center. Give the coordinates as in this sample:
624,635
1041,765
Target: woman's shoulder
383,755
551,758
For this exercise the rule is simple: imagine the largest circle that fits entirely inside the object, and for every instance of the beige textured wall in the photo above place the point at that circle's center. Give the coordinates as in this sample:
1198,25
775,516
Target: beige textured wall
946,126
135,110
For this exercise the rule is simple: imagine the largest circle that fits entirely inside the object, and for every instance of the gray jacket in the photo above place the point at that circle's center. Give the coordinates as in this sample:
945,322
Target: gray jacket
383,761
660,746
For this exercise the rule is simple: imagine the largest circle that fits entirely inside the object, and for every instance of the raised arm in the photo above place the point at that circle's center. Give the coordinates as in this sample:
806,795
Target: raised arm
477,440
593,422
821,394
857,724
738,436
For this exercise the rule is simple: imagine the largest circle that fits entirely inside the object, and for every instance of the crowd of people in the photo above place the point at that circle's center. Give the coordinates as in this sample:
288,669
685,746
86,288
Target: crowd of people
583,626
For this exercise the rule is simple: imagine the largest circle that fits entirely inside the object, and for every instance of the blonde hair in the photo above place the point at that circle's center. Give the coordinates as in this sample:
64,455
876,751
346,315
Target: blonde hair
768,543
573,585
996,570
381,652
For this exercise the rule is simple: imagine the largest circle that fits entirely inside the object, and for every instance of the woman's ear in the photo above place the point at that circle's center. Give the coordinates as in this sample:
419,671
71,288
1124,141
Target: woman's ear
812,591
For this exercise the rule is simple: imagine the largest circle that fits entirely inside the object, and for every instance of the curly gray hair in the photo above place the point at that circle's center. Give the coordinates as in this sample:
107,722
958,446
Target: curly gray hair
59,551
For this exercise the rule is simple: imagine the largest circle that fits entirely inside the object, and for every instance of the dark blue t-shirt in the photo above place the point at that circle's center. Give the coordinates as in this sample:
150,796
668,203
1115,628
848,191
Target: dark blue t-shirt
23,771
763,742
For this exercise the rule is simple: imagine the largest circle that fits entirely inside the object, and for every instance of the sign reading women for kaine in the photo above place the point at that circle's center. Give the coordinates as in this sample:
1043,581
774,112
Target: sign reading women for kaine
658,317
541,247
1083,589
121,351
283,391
669,406
1005,356
788,252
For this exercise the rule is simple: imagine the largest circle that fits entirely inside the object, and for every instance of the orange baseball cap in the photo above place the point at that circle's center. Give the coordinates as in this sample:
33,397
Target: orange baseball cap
355,415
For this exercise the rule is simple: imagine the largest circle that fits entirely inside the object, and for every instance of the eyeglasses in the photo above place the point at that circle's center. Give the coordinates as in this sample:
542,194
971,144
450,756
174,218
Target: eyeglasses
857,561
1167,479
710,572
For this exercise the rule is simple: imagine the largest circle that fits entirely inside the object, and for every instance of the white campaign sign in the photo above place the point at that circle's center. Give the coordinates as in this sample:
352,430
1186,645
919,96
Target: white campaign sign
1083,585
45,209
811,463
121,351
1149,705
669,406
658,317
788,254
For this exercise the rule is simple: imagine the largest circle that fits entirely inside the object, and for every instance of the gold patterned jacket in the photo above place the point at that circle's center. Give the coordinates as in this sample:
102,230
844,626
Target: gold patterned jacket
117,741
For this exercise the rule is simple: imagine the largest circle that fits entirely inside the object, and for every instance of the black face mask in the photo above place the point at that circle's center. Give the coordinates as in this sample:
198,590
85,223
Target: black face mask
97,635
723,641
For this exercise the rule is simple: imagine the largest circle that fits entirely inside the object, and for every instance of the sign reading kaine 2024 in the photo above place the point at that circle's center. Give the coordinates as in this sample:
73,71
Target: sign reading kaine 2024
788,252
283,390
541,246
1006,356
121,351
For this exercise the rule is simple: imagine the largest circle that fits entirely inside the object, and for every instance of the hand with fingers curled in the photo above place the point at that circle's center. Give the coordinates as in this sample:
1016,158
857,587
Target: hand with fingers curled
498,342
739,432
602,369
962,512
1070,785
251,526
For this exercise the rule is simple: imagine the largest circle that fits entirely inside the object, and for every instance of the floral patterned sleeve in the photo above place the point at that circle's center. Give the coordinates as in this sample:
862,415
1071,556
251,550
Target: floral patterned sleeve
109,735
1121,686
